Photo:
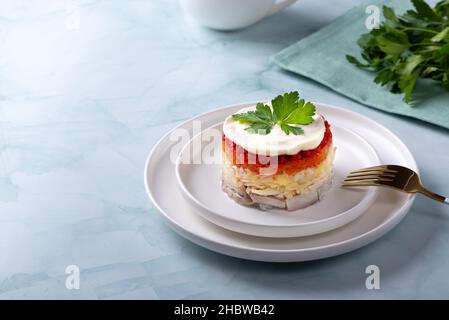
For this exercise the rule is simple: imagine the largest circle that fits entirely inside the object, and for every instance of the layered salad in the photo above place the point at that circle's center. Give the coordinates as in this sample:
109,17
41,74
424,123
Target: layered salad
277,154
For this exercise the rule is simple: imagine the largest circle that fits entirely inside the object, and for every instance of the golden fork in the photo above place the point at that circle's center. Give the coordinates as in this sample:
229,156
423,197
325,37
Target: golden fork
393,176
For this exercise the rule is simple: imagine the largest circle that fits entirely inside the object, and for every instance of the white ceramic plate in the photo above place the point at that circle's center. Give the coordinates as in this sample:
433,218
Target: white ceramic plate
200,184
388,210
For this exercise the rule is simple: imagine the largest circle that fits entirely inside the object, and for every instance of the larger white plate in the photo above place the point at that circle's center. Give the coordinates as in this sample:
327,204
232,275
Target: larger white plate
200,183
388,210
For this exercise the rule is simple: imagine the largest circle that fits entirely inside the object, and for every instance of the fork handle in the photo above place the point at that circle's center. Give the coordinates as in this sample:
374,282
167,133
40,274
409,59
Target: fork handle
433,195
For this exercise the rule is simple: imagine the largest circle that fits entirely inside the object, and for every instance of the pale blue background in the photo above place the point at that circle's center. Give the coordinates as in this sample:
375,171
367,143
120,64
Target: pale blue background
79,112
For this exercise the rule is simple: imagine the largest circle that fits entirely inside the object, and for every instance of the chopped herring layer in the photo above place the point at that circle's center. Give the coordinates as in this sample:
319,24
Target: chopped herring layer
299,201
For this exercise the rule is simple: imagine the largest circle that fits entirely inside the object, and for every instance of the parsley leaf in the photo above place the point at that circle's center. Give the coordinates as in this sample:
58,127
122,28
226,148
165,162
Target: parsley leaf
303,114
259,128
264,112
295,130
284,104
288,111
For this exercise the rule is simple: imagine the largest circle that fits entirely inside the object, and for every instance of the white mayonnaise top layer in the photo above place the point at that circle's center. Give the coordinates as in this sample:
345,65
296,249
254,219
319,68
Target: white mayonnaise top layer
277,142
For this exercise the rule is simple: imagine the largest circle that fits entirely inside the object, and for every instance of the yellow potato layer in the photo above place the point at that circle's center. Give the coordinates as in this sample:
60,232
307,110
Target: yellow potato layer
280,185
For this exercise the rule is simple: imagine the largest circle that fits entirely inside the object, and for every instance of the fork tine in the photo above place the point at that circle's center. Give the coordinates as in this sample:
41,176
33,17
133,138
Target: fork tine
370,184
365,170
382,175
369,178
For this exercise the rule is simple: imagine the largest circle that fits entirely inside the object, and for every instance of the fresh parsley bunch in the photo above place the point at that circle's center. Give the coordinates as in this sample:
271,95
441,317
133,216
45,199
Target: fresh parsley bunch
407,47
288,111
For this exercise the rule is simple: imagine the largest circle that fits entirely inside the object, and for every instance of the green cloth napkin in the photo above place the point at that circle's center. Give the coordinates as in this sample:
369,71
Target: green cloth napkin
321,57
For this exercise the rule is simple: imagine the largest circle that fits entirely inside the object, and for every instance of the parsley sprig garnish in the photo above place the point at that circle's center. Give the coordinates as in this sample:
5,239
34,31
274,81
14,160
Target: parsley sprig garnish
287,111
407,47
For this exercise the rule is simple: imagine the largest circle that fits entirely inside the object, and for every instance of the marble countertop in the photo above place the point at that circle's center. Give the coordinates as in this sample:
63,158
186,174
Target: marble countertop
88,87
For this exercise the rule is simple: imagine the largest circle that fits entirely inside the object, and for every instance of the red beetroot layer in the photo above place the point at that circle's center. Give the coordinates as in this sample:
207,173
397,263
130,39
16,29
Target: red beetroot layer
289,164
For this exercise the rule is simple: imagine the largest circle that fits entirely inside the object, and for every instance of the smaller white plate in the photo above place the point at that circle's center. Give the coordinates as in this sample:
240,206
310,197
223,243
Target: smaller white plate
200,185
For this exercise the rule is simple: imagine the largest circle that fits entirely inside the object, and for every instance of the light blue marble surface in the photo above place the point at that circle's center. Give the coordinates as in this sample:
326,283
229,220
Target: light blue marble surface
81,105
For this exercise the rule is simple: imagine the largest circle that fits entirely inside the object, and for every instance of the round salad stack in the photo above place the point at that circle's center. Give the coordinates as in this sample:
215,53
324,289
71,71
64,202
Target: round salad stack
272,167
